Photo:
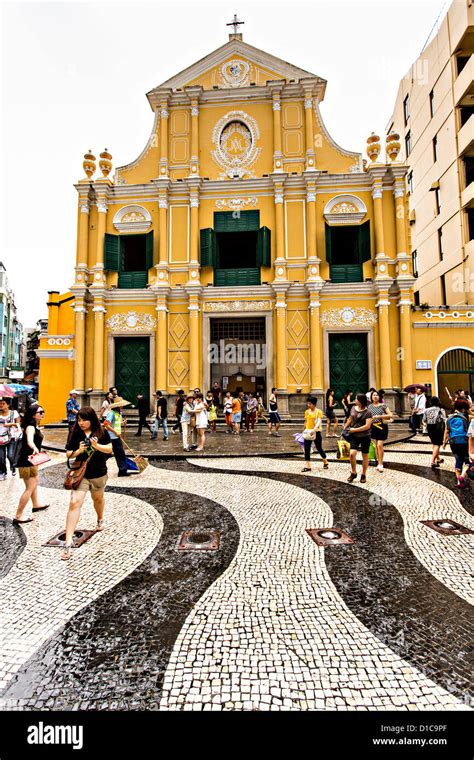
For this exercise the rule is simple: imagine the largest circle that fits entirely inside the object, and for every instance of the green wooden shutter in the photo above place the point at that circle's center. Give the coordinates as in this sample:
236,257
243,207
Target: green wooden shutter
236,221
149,250
112,252
328,244
208,247
364,242
264,247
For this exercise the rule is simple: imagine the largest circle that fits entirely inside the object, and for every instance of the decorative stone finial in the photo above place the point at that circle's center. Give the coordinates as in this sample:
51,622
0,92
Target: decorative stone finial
89,164
392,145
105,163
373,146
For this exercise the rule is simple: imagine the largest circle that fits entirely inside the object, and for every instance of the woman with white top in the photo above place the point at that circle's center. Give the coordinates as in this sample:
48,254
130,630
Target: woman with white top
200,410
10,434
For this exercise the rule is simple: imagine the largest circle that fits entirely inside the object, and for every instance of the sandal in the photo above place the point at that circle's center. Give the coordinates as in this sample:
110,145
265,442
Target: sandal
40,509
66,551
306,469
15,521
100,525
325,466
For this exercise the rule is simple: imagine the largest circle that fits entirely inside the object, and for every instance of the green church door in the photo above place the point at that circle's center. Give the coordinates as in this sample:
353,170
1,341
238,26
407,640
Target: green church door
132,367
348,364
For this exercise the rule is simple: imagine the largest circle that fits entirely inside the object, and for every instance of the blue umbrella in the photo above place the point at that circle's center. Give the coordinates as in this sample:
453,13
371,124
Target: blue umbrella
19,388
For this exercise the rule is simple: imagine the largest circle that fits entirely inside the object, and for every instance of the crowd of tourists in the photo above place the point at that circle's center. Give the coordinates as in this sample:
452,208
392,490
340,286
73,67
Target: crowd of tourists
94,437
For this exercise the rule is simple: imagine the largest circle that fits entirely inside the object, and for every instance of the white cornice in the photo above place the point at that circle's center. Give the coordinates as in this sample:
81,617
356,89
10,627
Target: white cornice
218,294
351,288
325,183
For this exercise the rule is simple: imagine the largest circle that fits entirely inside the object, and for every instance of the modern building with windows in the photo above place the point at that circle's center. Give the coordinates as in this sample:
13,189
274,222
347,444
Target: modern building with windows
11,331
434,115
243,245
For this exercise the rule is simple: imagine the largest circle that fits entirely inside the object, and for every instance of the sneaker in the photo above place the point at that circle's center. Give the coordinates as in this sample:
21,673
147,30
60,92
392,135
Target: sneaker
352,476
13,471
3,477
380,467
166,439
363,479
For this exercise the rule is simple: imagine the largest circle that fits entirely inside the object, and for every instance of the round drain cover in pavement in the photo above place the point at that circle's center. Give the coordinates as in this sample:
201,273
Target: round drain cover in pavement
329,534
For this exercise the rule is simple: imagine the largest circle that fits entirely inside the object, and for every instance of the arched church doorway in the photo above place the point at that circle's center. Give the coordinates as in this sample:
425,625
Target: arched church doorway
455,370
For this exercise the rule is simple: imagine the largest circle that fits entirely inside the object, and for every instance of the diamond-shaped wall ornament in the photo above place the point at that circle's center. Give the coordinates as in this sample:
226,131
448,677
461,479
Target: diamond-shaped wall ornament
297,327
179,329
298,367
178,369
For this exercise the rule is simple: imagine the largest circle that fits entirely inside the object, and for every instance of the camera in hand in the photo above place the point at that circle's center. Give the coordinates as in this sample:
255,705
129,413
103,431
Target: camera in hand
87,440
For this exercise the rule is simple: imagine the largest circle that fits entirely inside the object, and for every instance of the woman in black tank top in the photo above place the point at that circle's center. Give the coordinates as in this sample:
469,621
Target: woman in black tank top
30,444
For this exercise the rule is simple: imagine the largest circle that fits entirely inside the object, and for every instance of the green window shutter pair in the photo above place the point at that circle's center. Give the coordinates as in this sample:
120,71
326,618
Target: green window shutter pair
264,253
112,252
208,245
236,221
363,243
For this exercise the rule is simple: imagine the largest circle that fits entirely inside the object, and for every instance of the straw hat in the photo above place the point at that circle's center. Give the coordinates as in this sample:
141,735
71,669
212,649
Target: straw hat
119,404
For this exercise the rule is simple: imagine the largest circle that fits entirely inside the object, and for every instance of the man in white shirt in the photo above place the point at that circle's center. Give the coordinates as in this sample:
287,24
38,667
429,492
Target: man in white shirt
418,410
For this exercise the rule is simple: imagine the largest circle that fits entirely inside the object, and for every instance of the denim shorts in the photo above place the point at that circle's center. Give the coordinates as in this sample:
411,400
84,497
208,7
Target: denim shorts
237,417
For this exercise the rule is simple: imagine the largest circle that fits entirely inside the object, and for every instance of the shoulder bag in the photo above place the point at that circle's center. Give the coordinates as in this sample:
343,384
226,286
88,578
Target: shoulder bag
75,474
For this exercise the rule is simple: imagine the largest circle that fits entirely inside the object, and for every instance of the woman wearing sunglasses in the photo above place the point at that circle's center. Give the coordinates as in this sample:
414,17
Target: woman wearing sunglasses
30,444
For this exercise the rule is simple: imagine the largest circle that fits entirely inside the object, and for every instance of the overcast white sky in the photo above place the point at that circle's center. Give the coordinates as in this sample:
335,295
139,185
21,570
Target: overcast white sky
74,76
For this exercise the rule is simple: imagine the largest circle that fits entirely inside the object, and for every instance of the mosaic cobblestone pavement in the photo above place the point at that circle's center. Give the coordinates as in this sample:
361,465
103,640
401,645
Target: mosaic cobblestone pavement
269,622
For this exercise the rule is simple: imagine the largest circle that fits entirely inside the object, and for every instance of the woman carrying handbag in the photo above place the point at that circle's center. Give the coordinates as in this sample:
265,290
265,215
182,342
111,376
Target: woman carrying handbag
381,416
313,420
90,443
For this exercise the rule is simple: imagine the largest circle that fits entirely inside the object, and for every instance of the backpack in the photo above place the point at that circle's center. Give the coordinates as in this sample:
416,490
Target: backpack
457,428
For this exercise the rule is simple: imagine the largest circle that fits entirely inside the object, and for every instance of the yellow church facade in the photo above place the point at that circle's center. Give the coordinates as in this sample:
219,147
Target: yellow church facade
244,246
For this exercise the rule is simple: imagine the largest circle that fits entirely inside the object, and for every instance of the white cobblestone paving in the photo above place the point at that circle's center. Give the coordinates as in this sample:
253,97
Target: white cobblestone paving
272,633
447,558
41,592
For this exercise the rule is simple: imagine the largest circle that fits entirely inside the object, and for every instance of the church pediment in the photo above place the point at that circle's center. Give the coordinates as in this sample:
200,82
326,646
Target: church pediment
235,64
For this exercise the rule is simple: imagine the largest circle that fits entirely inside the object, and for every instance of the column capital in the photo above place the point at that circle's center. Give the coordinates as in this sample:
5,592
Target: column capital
193,290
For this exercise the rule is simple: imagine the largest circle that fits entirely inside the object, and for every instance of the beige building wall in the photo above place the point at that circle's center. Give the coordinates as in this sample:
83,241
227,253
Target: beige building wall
439,92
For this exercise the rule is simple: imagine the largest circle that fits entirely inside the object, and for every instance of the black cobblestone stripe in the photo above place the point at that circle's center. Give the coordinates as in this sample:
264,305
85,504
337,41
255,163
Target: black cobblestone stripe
113,654
12,543
386,587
